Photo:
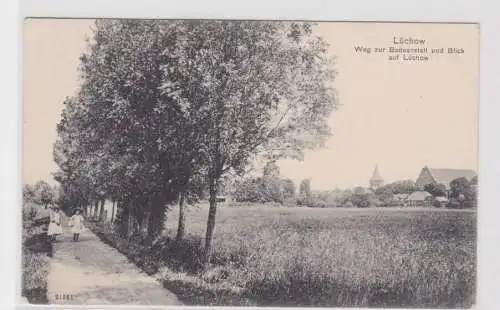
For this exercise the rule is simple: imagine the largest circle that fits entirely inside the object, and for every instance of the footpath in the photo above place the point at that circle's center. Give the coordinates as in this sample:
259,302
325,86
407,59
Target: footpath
89,272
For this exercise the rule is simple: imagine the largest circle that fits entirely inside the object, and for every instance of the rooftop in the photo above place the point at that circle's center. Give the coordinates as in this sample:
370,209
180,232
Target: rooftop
419,195
445,176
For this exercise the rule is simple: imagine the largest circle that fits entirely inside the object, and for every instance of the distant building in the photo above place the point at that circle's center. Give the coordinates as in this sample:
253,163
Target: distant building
376,181
419,199
442,201
441,176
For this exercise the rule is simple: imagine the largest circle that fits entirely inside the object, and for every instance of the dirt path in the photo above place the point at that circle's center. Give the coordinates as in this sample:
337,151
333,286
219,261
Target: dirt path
90,272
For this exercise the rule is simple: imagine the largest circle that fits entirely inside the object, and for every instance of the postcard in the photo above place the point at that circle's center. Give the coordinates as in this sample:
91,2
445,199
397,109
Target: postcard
260,163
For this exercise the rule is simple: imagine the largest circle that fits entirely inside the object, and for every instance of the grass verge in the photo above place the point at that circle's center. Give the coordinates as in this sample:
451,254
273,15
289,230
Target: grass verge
36,254
177,266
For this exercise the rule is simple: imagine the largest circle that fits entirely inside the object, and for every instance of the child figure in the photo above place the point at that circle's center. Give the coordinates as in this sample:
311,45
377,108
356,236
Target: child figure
55,227
76,223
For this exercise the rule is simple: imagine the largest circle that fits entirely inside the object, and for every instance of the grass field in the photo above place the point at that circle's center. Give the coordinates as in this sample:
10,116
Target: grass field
326,257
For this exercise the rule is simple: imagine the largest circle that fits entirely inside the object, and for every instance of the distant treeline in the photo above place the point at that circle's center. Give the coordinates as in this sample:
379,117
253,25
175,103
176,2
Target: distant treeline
271,188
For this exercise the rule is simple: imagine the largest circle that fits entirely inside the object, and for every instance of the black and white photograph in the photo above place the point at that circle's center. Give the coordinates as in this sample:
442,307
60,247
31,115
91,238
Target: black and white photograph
249,163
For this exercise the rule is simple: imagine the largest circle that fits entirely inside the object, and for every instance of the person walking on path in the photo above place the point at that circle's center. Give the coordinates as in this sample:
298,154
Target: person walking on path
76,223
55,227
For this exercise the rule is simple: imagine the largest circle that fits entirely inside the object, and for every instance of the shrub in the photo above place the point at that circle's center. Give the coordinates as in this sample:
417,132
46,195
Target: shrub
315,203
37,250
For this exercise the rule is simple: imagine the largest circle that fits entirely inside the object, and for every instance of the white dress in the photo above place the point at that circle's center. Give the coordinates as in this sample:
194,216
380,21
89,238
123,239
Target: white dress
77,224
55,227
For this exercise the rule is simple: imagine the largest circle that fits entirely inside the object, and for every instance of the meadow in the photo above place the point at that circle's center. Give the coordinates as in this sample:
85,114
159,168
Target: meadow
291,256
270,256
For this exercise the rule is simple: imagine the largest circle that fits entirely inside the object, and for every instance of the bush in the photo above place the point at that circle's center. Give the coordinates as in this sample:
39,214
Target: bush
37,250
301,202
29,213
314,203
391,203
454,204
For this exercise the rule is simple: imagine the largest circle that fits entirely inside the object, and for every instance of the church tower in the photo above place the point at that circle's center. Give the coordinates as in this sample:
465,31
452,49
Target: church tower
376,181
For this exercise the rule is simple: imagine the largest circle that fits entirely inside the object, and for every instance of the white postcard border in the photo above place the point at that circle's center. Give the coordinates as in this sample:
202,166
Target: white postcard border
386,10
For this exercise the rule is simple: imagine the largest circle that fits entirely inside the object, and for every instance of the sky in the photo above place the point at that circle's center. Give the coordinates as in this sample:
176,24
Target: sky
399,115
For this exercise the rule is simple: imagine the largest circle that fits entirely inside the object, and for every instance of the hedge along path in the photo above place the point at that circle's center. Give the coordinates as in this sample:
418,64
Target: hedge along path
90,272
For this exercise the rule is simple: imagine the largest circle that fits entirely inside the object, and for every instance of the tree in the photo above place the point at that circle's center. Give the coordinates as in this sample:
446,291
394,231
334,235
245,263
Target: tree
462,192
403,187
305,189
249,190
29,193
344,196
271,183
45,194
271,170
360,198
288,188
436,190
162,101
250,87
116,137
385,194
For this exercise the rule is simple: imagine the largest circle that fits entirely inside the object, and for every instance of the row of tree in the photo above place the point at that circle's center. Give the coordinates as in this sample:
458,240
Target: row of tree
168,110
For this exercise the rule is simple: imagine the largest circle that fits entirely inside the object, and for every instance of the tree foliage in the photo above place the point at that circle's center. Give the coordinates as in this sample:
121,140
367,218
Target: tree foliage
268,188
398,187
167,109
41,193
250,87
305,188
361,198
436,190
271,183
44,193
462,193
288,188
29,193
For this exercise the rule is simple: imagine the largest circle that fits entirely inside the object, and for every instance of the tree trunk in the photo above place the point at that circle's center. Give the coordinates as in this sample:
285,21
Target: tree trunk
113,210
101,211
146,238
157,218
130,222
211,221
144,230
151,226
96,210
182,219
